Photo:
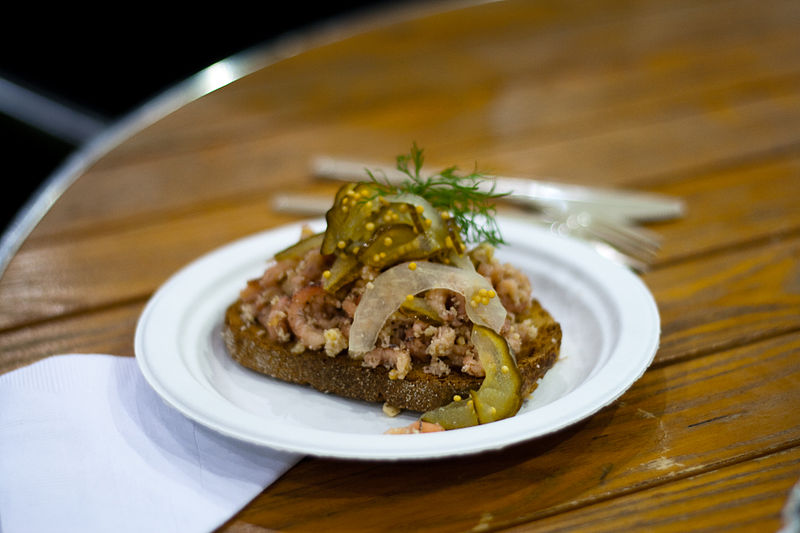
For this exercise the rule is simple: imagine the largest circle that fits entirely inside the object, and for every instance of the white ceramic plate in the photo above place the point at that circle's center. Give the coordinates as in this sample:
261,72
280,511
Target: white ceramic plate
610,325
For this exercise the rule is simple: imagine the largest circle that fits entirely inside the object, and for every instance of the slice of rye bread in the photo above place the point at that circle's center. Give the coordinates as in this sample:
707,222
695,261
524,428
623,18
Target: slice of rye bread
345,376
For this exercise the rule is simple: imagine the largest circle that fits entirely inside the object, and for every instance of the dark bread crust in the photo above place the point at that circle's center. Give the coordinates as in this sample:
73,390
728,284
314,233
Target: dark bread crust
346,377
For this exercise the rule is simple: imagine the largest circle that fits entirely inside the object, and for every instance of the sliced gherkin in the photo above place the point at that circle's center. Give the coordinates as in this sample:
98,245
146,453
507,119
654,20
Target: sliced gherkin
348,218
380,231
345,268
421,309
389,245
336,218
456,243
394,213
454,415
301,247
498,396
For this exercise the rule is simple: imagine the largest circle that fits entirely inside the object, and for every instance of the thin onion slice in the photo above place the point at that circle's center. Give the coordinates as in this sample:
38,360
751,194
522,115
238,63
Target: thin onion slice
391,288
428,211
438,226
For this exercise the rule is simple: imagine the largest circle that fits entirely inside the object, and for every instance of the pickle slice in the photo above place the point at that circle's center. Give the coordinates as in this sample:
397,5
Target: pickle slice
498,396
384,230
301,247
347,219
421,309
454,415
336,218
389,245
454,232
343,270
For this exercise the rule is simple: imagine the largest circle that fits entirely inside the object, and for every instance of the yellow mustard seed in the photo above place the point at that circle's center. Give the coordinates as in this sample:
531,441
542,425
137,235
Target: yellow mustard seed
491,294
419,209
412,266
341,244
482,292
456,398
370,226
504,369
428,222
387,241
409,297
485,300
326,274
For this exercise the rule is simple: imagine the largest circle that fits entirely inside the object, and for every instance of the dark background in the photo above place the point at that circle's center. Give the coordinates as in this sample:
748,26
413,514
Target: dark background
105,65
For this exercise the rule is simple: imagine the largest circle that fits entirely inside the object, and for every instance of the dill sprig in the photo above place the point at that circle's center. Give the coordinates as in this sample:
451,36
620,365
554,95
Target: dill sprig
470,204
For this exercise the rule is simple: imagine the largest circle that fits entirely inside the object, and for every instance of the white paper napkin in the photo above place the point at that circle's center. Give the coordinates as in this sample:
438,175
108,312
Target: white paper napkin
86,445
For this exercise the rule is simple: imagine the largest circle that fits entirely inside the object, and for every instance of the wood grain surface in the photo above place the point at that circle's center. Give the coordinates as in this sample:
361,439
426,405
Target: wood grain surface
697,99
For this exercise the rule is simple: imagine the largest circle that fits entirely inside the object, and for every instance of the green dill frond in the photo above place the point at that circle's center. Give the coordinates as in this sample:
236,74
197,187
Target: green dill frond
465,197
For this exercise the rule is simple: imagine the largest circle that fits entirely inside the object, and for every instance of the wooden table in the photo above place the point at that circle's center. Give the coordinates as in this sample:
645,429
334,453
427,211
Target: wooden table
694,98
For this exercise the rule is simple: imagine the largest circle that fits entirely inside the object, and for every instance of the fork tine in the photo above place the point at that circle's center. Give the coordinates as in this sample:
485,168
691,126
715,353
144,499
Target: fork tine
631,240
614,254
632,249
625,238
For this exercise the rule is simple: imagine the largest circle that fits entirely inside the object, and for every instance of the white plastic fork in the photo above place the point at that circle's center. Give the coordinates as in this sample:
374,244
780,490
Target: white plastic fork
631,206
634,247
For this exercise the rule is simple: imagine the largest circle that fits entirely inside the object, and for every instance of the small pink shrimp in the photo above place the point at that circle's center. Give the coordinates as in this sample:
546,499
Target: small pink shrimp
312,311
398,360
350,302
438,300
275,273
469,361
307,271
512,286
274,319
415,427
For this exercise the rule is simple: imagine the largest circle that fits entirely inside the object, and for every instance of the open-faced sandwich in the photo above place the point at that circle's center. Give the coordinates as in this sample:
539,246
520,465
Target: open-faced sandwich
401,300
